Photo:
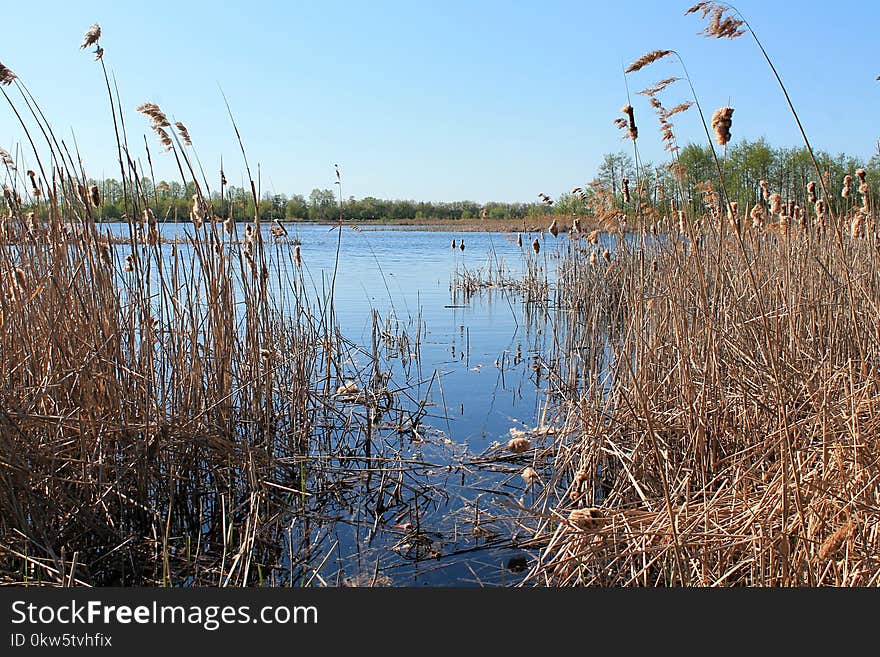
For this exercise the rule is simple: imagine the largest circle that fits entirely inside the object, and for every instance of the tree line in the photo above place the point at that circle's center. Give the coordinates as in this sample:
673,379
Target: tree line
745,164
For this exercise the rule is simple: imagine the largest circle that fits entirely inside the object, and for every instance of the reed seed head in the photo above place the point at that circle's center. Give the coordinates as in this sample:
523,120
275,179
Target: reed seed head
91,37
184,133
6,76
646,59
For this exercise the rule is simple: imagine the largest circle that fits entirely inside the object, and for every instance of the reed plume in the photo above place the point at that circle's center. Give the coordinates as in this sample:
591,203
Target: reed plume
184,133
91,37
646,59
6,76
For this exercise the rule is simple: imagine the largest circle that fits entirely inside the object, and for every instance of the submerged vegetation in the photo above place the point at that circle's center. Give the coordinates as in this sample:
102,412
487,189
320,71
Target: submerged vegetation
189,412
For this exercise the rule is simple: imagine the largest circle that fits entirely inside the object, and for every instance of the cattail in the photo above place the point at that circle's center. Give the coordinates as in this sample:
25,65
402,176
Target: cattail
765,189
229,224
129,263
834,541
721,122
519,445
20,279
855,226
536,246
586,519
594,258
811,191
647,59
790,209
630,115
607,255
519,240
682,224
820,210
94,196
625,184
732,212
576,224
91,37
6,76
529,475
861,174
847,186
297,256
775,203
453,245
105,251
197,214
553,229
757,215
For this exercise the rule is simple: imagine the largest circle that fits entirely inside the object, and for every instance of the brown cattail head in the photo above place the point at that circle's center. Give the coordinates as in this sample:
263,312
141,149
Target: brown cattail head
775,203
297,256
757,215
855,227
765,189
129,263
519,445
586,519
519,240
94,196
554,228
91,37
20,279
847,186
861,174
607,255
197,214
625,184
6,76
631,117
721,122
811,191
529,475
536,246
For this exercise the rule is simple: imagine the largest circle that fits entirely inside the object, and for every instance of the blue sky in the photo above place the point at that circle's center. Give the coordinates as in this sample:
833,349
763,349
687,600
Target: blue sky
433,100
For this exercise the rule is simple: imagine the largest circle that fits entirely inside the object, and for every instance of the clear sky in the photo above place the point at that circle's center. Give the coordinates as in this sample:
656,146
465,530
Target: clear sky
451,100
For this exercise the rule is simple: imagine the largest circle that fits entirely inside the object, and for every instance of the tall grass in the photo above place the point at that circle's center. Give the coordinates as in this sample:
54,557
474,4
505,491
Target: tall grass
169,407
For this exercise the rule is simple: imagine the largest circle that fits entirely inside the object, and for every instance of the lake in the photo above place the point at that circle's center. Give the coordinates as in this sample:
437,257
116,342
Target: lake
471,361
